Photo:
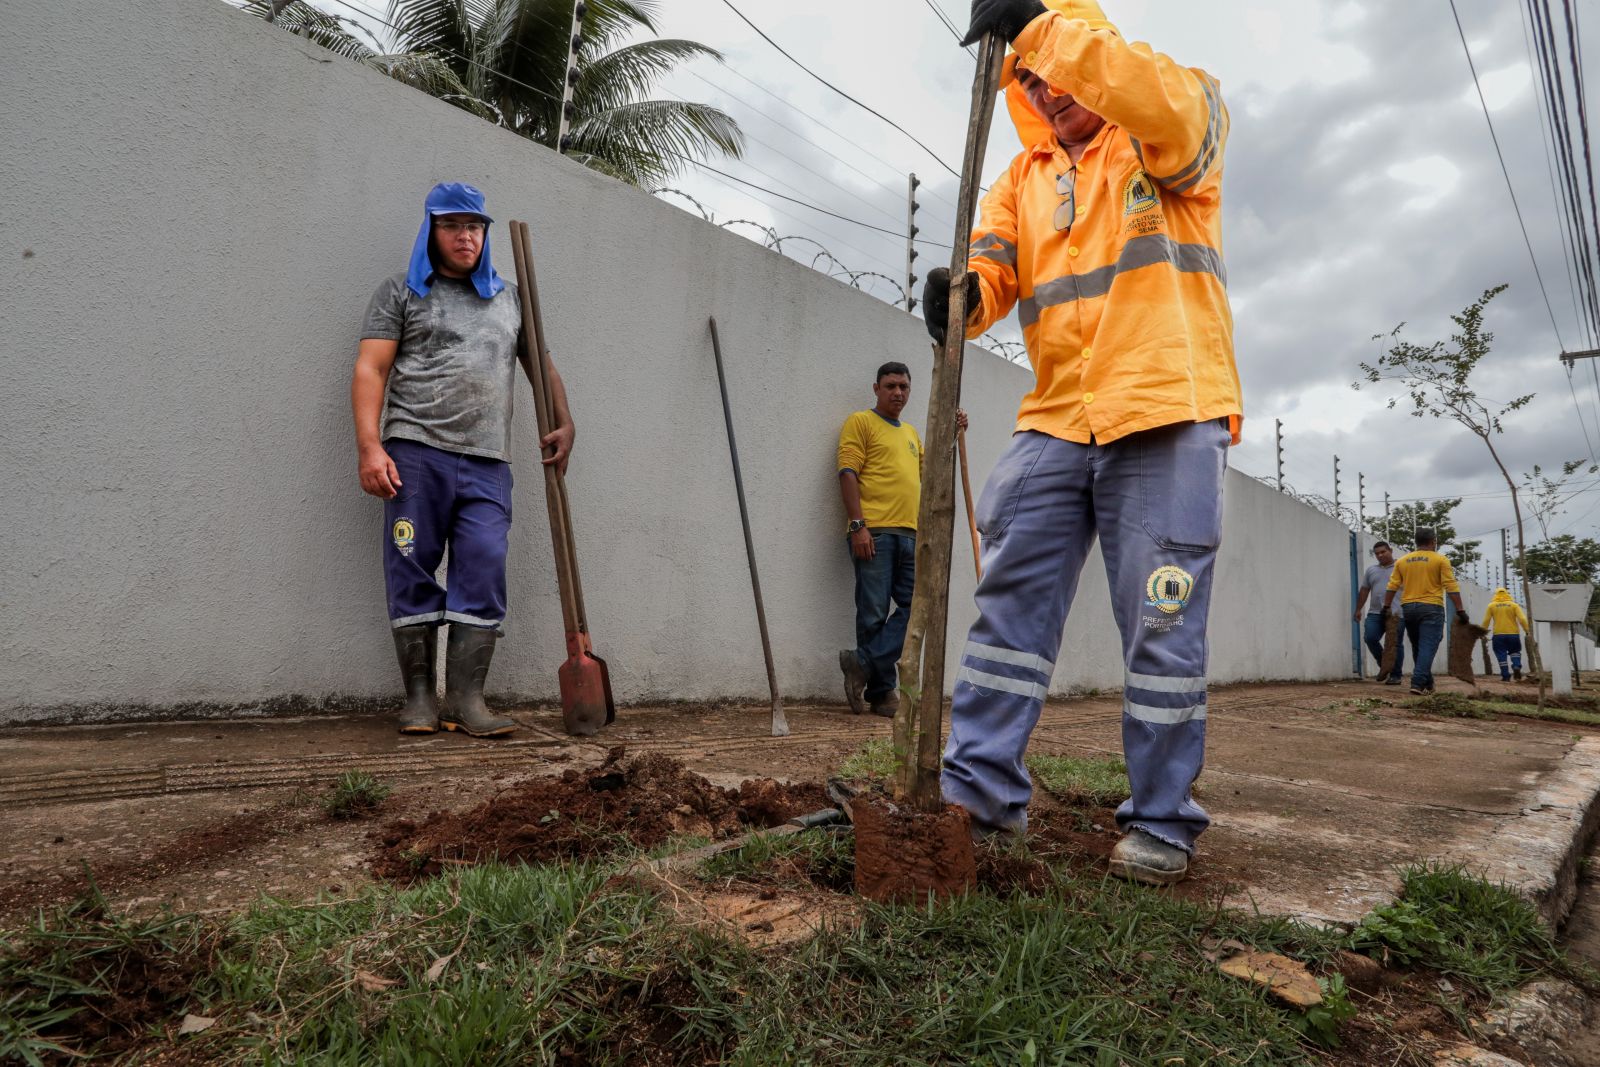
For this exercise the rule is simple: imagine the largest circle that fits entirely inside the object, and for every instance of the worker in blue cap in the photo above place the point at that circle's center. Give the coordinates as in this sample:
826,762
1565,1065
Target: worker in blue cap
441,340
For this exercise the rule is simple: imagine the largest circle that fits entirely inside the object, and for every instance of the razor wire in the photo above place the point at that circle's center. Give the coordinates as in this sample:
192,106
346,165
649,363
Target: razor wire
823,261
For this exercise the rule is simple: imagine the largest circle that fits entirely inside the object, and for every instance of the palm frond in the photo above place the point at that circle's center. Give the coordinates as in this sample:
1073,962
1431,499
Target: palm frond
623,76
654,140
332,32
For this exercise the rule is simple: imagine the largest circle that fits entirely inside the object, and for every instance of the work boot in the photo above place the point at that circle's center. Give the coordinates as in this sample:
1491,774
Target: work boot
1143,857
1505,676
466,665
416,646
886,706
855,680
1516,673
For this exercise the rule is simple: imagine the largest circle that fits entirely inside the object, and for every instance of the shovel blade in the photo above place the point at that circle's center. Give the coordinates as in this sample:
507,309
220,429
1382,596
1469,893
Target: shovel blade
605,682
583,695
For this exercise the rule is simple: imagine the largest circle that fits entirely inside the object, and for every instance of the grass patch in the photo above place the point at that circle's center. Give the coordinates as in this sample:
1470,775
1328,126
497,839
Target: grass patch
1483,935
81,976
821,858
1454,705
875,759
566,964
353,795
1098,780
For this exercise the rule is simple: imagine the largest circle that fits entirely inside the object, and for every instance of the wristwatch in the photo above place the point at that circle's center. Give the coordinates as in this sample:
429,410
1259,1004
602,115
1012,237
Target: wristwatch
857,524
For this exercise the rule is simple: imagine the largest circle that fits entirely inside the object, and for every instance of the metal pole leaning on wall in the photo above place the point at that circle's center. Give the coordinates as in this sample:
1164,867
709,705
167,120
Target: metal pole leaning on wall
570,82
780,724
911,241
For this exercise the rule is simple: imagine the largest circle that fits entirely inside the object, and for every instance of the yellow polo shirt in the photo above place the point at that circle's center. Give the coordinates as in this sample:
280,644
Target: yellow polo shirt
1426,576
886,456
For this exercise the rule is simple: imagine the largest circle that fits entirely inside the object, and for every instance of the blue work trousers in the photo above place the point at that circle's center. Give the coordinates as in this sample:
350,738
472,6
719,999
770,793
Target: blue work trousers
1507,646
454,500
1372,633
1154,499
1425,628
883,605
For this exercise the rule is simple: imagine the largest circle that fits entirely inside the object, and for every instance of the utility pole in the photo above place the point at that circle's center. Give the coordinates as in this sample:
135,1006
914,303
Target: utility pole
569,110
911,241
1336,488
1277,433
1387,534
1505,557
1361,501
1569,358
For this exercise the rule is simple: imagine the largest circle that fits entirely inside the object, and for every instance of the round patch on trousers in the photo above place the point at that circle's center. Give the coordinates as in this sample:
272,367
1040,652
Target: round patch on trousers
1168,589
405,535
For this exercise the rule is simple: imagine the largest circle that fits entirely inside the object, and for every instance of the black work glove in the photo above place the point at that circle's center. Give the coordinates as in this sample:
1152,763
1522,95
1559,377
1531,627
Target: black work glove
1463,618
1003,18
936,300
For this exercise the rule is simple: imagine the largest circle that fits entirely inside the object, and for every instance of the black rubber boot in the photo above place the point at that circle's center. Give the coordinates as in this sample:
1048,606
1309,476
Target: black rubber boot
466,665
416,647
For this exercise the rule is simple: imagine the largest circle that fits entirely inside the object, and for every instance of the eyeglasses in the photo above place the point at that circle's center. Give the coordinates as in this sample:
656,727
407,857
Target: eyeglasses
454,226
1067,210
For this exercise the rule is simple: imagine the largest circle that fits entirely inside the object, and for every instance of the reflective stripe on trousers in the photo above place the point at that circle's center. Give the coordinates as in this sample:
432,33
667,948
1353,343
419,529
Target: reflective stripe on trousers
1155,501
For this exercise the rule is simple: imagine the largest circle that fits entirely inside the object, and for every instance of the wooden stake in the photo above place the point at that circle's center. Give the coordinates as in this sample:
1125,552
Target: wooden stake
918,721
966,494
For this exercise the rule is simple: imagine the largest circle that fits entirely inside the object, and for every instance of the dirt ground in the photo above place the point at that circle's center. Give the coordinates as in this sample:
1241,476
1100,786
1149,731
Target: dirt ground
1317,792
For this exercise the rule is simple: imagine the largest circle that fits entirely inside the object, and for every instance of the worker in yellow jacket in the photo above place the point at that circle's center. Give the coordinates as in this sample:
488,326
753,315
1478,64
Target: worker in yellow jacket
1506,622
1105,234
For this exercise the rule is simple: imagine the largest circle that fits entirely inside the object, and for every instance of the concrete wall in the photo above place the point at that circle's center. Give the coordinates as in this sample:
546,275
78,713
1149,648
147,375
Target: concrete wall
197,208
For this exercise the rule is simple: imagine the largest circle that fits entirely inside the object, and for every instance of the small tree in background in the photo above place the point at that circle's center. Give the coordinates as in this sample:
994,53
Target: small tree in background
1401,526
1437,378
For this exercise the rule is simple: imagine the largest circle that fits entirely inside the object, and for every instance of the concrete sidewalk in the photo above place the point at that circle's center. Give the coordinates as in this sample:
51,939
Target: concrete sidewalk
1318,793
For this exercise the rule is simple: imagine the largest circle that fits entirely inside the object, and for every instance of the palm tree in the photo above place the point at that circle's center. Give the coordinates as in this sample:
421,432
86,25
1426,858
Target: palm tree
506,61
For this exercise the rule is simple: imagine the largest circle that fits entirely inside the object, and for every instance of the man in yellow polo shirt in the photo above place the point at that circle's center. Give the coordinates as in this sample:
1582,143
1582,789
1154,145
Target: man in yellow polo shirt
1427,577
1105,234
880,479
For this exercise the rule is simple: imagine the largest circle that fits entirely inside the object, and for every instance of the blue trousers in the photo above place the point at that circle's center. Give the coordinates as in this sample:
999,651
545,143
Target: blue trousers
1507,645
1154,499
883,604
446,499
1425,628
1372,633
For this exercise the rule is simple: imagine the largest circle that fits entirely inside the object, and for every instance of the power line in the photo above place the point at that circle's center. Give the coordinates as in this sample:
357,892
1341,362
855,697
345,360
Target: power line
841,92
1501,156
945,20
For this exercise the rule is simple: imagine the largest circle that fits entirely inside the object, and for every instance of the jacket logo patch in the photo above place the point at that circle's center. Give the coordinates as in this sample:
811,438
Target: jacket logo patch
1139,195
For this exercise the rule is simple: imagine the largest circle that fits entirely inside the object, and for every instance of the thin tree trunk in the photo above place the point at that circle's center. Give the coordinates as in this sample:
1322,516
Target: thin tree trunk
1534,660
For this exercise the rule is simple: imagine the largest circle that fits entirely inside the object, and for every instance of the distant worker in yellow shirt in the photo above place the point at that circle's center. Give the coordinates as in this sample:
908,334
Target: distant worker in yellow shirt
1427,577
880,479
1509,624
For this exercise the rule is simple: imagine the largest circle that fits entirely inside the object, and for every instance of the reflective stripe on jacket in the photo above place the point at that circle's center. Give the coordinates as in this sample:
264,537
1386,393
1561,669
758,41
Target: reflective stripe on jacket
1125,315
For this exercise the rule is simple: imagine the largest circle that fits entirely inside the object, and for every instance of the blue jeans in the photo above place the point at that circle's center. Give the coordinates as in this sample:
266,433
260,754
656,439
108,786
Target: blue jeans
1154,501
1372,633
883,606
1508,645
1425,627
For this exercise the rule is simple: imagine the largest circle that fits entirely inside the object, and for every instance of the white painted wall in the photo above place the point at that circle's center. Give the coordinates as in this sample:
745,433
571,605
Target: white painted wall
198,207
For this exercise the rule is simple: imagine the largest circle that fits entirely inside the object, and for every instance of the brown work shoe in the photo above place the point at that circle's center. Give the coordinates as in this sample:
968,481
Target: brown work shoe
886,707
855,680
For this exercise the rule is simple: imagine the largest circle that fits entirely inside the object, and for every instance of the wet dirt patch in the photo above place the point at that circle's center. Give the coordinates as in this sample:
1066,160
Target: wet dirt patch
903,856
637,802
191,850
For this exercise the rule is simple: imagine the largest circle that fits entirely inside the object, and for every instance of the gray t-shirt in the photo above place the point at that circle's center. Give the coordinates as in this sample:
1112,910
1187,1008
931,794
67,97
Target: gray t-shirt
452,379
1376,581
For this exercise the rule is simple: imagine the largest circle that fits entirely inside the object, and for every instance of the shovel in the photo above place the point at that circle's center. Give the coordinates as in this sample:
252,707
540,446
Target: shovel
585,681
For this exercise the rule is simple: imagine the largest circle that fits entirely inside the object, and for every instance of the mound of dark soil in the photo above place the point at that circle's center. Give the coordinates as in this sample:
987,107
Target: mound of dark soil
640,802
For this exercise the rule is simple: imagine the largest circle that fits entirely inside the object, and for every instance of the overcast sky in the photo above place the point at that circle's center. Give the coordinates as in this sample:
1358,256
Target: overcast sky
1362,190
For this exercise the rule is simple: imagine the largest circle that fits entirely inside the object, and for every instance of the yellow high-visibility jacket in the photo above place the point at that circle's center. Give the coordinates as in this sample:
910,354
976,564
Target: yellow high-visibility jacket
1506,614
1125,314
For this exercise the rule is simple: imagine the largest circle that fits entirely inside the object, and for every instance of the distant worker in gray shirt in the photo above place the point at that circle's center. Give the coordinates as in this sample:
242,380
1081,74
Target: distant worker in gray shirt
443,337
1373,584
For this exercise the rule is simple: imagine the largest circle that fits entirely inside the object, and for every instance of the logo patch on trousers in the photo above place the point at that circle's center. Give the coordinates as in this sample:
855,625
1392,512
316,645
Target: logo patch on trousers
1168,589
405,535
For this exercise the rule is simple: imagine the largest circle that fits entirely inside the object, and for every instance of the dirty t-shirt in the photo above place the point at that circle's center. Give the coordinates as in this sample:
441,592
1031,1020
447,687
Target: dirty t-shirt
451,383
1376,581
